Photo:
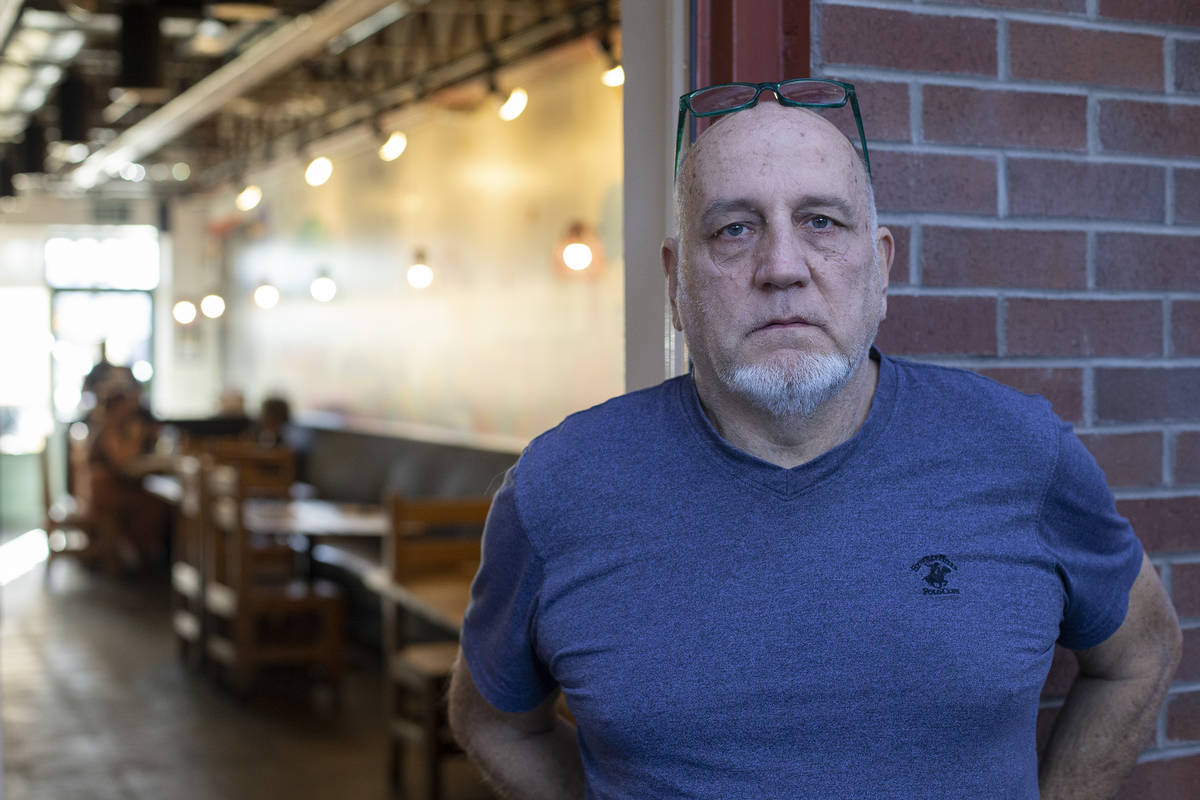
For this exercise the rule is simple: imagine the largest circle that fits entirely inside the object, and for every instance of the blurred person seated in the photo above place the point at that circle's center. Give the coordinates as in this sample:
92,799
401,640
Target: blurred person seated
119,453
106,378
273,416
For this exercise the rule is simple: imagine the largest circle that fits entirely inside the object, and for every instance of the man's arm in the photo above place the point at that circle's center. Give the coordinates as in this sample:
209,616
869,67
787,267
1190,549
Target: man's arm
1112,706
532,755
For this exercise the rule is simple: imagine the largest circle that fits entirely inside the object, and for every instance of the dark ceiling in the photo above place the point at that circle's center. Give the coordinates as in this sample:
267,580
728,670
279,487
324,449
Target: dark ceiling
111,92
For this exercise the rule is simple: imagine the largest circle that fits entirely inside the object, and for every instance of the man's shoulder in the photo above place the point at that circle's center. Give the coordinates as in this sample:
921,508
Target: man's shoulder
953,397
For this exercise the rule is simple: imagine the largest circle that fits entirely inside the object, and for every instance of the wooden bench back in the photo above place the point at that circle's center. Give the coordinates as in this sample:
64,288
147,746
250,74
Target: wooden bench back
414,548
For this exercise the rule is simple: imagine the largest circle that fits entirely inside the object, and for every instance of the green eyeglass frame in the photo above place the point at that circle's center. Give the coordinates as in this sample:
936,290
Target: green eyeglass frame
848,95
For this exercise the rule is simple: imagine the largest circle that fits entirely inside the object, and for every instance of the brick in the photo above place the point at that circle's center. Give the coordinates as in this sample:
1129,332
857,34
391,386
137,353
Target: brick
1189,664
1156,129
1185,327
1147,262
1063,670
1032,5
1037,327
1187,194
961,115
1045,187
1064,54
1185,589
1128,459
1163,779
1187,458
1003,258
926,182
939,325
885,38
1164,523
884,107
1063,387
900,263
1171,12
1183,717
1187,66
1134,394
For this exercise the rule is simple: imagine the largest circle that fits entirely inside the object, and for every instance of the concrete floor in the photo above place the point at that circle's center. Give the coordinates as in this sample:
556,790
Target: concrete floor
95,704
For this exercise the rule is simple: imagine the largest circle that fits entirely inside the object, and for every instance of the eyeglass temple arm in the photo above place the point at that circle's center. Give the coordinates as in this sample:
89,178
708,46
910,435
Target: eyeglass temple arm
679,133
862,136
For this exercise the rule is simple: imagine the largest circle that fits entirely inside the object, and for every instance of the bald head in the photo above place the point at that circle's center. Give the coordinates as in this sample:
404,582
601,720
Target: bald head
762,138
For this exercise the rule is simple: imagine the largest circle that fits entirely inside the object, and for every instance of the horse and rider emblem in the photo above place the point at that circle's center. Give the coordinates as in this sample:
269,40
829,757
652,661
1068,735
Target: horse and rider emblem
938,571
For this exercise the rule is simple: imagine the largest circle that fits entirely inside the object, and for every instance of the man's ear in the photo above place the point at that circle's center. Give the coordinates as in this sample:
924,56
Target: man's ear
670,264
885,253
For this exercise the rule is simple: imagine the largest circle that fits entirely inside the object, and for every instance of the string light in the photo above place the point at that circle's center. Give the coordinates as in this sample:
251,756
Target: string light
184,312
319,171
212,306
266,296
249,198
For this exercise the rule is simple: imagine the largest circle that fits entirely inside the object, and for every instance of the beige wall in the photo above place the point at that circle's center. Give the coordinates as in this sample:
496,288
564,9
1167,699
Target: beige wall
502,343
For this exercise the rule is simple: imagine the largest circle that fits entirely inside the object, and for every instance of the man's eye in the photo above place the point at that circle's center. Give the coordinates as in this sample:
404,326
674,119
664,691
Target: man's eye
821,223
733,230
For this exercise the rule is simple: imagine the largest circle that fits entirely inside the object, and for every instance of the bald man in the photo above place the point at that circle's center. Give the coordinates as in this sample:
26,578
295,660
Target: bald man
804,569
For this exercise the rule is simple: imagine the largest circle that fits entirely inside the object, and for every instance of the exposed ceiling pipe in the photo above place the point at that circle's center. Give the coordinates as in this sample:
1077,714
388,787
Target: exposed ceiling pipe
276,52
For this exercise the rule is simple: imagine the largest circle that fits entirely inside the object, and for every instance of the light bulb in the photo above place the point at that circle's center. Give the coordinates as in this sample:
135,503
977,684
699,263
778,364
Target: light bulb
420,276
393,148
514,105
577,256
184,312
180,171
248,198
613,77
212,306
319,170
266,296
322,288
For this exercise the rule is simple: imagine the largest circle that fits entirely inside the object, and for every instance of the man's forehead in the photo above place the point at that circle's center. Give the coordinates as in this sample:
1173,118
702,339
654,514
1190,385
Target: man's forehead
770,139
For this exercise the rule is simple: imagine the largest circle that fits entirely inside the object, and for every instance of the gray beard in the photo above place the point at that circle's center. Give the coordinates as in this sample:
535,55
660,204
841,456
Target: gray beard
797,388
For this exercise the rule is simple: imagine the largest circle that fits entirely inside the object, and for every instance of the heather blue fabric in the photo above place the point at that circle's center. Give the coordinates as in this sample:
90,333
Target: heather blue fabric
875,623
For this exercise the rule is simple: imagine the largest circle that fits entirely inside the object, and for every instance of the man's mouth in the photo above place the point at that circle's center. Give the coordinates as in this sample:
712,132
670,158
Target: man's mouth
783,323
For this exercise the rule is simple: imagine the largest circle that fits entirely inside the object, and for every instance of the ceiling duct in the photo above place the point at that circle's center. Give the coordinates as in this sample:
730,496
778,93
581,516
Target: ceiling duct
140,45
72,108
33,150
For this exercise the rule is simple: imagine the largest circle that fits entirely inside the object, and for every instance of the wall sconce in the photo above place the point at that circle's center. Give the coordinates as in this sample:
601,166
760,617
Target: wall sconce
419,275
578,250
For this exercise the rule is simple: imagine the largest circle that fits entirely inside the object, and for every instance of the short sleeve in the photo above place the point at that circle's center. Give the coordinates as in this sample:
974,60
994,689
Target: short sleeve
1096,551
497,635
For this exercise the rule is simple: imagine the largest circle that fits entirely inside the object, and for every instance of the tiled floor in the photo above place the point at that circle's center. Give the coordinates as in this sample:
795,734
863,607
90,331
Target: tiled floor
96,705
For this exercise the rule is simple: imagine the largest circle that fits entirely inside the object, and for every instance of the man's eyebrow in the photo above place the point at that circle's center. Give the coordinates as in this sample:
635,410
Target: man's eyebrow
832,202
724,206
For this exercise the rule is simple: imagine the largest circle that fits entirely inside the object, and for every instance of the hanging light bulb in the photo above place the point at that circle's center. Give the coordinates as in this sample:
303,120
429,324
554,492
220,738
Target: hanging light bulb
613,77
512,107
394,147
266,296
248,198
577,256
420,276
322,288
212,306
184,312
319,170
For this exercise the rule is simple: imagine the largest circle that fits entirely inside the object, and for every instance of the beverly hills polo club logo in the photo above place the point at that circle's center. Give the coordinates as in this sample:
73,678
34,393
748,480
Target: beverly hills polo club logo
937,573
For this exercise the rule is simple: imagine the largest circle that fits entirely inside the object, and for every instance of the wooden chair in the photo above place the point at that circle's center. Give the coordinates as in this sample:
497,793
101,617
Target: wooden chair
188,573
251,624
423,564
263,472
71,530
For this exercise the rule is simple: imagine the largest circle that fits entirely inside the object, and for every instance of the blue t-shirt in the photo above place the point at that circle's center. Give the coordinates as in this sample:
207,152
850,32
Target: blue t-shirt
877,622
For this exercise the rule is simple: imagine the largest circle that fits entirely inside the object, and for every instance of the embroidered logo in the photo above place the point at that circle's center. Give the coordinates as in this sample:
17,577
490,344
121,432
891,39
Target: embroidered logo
938,572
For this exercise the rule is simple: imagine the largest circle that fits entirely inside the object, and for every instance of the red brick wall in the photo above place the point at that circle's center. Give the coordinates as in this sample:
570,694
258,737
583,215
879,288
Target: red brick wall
1040,163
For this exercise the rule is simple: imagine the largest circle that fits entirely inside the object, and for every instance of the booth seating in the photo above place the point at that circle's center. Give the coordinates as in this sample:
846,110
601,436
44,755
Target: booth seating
252,622
432,552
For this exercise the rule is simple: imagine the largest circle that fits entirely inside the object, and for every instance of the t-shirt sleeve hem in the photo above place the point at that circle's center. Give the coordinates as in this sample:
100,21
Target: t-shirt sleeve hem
1102,630
495,695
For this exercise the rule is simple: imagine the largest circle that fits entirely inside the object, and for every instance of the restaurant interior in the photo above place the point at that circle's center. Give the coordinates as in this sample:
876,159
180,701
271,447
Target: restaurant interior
285,287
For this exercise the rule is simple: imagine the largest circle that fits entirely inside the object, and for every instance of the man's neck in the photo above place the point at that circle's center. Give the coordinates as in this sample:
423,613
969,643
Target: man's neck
789,441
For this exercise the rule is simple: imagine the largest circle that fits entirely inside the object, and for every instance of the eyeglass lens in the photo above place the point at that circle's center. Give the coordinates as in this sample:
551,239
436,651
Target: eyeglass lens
723,98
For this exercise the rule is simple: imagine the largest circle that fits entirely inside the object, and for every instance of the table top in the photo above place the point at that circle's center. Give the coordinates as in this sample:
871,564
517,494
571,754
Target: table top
315,518
441,598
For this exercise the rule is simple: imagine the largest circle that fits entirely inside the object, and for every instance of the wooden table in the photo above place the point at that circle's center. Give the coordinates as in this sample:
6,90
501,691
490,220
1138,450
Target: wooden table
314,519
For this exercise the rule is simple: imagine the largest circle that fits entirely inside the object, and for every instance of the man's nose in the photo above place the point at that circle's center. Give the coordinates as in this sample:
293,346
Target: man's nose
782,259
